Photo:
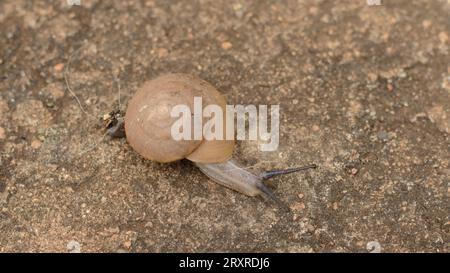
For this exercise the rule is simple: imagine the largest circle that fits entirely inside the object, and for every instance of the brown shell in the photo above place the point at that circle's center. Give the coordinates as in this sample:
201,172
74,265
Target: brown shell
148,121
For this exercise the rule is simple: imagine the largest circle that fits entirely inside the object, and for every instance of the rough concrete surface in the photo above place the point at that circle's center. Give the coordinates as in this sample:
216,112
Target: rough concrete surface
364,92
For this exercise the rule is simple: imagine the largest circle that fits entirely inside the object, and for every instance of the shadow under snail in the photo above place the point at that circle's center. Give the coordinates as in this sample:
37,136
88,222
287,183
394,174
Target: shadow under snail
147,127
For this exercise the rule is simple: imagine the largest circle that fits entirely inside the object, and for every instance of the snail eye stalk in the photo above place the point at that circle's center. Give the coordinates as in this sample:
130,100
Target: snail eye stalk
270,174
266,192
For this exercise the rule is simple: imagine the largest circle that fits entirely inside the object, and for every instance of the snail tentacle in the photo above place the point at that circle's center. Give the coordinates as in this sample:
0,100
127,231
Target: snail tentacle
269,174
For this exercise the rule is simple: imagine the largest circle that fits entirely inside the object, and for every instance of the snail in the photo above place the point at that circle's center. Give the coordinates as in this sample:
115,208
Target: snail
148,124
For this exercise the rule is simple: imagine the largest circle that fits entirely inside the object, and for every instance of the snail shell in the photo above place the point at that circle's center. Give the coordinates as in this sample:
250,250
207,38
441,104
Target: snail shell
148,121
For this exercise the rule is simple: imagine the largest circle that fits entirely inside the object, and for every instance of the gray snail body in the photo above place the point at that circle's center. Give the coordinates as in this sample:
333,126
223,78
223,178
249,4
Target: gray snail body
232,175
147,125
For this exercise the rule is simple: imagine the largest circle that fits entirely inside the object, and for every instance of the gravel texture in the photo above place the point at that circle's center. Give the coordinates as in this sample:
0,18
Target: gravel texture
364,93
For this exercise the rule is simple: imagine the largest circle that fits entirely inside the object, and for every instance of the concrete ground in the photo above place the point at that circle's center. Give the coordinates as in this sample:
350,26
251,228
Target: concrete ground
364,92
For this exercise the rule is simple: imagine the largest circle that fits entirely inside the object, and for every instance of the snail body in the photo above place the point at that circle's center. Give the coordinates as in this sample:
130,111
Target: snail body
148,124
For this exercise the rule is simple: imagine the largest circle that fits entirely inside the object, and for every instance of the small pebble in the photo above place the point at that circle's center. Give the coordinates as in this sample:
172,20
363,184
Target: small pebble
443,37
58,67
162,53
390,87
74,247
298,206
383,135
127,244
373,247
372,77
36,144
227,45
426,23
335,206
2,133
237,6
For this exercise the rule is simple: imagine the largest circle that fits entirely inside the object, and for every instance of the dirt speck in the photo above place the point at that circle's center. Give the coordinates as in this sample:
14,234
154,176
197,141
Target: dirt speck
2,133
441,116
227,45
